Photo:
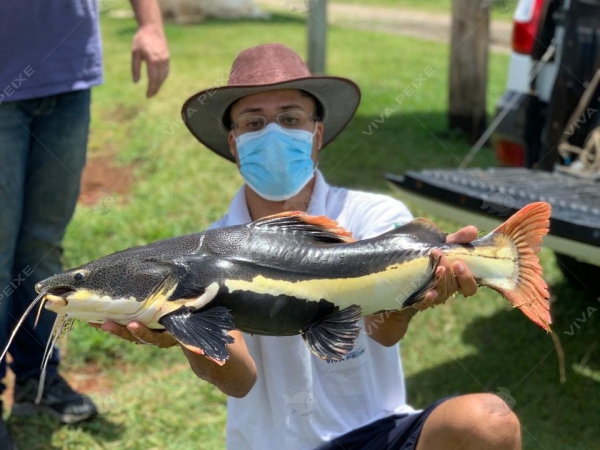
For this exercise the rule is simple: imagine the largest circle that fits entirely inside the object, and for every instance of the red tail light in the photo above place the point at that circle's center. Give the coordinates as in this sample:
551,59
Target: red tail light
527,22
510,154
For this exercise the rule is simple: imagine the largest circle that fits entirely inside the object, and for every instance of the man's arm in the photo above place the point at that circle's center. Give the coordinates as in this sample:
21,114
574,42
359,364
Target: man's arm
235,378
150,45
389,327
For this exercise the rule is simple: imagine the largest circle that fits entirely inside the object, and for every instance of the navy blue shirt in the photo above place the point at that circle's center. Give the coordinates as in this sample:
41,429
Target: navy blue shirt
48,47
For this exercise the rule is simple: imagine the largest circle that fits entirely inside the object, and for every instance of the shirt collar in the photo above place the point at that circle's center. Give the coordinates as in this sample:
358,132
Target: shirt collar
318,201
238,209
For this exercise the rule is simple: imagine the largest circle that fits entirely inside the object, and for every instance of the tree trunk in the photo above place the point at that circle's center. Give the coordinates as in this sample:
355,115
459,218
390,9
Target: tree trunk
468,67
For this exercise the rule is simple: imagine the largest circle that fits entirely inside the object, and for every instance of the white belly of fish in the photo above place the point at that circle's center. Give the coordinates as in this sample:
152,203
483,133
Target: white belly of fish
88,307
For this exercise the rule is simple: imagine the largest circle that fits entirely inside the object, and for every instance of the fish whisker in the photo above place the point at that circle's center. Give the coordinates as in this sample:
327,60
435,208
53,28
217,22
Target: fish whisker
20,322
59,323
39,313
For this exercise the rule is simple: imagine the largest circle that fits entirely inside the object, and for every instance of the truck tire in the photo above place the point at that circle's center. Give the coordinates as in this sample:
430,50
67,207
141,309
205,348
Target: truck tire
582,276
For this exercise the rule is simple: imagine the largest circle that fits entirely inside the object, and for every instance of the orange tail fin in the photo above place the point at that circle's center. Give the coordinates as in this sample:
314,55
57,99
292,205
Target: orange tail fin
525,229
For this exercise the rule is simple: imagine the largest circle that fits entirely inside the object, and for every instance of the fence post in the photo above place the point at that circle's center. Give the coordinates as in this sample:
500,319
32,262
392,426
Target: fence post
317,36
468,67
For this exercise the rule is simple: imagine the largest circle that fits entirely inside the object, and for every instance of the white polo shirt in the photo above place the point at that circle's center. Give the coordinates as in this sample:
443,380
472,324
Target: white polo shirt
300,401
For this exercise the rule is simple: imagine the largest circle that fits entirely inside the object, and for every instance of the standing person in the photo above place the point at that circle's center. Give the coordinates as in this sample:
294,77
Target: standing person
51,58
276,118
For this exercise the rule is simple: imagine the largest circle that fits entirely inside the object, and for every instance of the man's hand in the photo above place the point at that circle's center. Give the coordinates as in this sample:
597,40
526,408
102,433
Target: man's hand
454,277
138,333
150,45
235,378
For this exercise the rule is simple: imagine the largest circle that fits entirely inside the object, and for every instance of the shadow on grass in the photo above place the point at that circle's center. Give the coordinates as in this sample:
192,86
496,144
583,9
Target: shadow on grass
514,354
35,432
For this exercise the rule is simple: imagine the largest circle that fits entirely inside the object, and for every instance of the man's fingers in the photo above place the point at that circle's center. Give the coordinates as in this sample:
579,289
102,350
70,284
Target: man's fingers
154,78
142,333
118,330
440,272
463,236
157,74
430,296
466,283
136,332
148,336
136,63
427,302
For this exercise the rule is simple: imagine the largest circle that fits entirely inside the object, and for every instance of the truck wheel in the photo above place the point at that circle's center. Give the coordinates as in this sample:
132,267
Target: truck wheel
580,275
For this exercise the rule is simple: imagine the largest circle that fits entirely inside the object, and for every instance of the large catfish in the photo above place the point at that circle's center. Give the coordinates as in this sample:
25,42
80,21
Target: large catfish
292,274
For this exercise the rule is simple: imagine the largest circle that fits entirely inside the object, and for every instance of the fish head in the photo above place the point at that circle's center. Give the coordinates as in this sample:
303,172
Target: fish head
113,287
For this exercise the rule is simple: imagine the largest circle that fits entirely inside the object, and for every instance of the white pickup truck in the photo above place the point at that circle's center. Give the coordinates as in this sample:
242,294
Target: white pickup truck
548,136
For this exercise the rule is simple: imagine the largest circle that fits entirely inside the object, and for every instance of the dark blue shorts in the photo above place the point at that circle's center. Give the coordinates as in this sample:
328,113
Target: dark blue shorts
397,432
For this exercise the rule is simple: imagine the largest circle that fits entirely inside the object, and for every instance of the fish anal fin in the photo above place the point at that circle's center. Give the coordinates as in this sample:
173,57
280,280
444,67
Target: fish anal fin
203,332
428,284
319,228
423,229
334,336
525,230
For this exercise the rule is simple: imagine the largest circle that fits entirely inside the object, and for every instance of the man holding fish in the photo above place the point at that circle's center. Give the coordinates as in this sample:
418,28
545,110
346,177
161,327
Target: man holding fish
272,120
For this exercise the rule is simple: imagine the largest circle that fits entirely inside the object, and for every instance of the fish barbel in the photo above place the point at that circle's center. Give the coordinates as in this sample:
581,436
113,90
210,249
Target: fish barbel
291,274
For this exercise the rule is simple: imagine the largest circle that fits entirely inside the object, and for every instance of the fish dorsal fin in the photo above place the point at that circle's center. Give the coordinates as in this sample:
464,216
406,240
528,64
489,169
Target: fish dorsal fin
318,228
423,229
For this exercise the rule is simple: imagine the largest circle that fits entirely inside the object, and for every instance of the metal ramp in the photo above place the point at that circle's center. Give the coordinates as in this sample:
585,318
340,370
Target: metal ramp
487,197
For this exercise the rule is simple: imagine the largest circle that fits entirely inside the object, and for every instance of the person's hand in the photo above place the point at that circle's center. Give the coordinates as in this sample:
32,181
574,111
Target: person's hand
138,333
454,277
150,45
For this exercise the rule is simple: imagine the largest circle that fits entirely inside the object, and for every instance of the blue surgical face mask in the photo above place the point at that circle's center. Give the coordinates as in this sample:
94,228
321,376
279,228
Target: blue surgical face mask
276,162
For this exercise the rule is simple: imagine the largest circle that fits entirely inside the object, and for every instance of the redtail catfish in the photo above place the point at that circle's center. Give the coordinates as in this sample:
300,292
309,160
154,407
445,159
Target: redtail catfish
292,274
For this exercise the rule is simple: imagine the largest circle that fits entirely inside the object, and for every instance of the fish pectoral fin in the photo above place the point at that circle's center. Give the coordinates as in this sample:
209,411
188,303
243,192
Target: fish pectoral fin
203,332
333,337
429,284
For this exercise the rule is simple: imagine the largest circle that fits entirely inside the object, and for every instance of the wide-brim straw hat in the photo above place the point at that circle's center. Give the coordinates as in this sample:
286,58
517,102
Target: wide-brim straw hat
264,68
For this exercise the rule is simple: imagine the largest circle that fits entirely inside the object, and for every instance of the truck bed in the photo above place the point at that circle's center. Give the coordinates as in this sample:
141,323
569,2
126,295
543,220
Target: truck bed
489,196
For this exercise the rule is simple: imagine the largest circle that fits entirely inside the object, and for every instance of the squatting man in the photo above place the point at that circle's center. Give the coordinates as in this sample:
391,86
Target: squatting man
272,120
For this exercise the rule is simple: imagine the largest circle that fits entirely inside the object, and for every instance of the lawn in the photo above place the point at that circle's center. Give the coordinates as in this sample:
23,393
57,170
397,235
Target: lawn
149,398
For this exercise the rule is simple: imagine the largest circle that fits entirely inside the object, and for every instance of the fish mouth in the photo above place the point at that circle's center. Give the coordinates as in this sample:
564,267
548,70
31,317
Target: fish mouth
57,297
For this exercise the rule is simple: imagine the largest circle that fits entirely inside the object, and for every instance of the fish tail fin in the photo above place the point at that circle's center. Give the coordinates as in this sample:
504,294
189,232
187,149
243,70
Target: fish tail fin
525,230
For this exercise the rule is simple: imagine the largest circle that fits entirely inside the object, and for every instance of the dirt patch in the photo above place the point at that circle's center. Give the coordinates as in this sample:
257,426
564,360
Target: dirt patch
90,379
102,179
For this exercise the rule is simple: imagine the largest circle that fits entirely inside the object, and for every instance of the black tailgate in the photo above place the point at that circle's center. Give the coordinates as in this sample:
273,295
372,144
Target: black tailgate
503,191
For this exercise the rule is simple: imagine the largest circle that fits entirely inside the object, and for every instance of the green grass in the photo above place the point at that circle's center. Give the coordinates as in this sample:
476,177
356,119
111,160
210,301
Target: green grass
149,398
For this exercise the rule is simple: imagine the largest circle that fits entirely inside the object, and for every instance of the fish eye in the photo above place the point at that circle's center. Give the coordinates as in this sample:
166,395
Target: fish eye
78,276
